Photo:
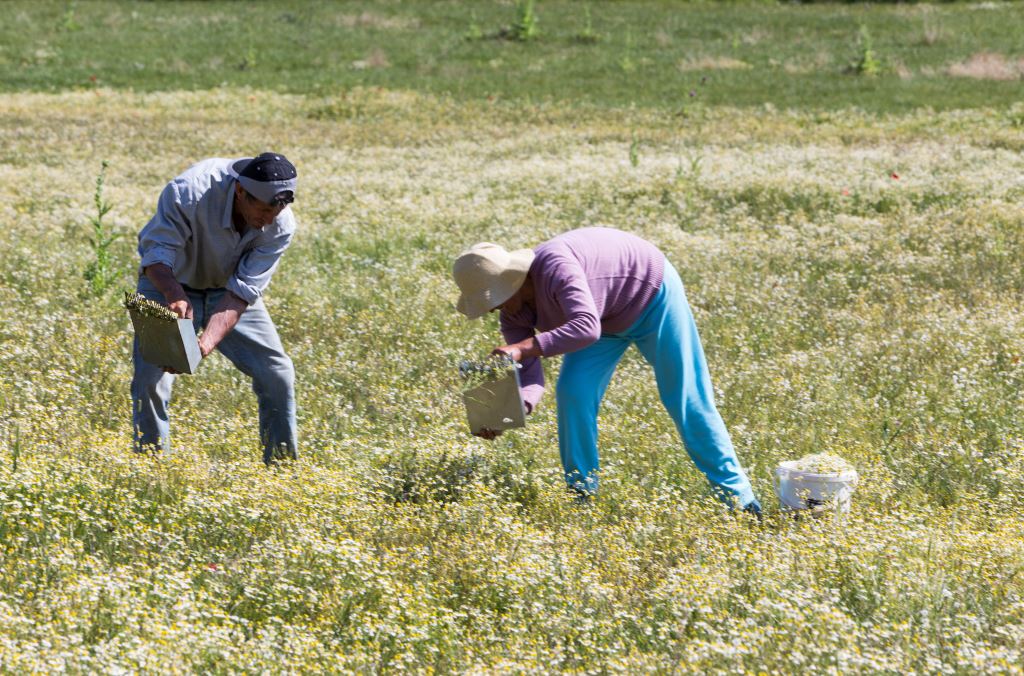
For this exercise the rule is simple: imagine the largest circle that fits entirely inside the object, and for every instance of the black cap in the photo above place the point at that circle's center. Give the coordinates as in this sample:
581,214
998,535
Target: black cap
269,177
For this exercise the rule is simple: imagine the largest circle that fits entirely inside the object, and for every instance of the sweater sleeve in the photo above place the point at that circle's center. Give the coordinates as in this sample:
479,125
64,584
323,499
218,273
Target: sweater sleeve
531,376
567,286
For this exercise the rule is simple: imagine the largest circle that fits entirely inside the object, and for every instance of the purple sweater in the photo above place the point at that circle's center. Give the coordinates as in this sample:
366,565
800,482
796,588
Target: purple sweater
586,282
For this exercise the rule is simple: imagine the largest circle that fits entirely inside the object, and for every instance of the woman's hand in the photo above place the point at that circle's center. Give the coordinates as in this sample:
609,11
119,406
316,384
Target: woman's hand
510,351
524,349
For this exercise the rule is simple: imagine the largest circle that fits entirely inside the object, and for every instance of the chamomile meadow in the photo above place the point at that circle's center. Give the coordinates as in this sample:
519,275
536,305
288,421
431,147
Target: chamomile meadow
856,281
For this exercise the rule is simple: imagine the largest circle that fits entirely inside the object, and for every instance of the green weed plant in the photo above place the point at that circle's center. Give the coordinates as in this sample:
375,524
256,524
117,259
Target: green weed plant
867,63
525,27
587,35
102,271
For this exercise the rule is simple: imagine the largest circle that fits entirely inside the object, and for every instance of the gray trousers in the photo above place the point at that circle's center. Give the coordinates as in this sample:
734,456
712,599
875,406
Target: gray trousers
253,346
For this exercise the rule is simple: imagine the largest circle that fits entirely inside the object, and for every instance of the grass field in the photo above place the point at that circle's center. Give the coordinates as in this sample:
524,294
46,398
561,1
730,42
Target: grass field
854,263
607,53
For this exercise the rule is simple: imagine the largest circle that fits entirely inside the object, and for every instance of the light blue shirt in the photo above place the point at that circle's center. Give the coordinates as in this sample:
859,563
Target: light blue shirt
192,233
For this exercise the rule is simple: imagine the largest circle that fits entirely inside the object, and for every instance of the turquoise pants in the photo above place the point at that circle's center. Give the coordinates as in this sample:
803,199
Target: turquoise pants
667,337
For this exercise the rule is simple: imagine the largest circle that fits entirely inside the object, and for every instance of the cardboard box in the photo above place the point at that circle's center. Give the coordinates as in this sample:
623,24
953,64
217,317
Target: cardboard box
168,344
496,405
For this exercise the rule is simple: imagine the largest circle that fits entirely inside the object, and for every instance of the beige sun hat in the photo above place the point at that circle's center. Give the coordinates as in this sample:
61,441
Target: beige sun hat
488,275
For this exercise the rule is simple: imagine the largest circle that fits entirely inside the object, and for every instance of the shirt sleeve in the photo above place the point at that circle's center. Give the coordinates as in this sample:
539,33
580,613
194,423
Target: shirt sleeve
167,232
257,266
568,287
531,375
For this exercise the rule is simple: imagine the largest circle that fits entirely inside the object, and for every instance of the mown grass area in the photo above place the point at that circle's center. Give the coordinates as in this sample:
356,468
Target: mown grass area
604,53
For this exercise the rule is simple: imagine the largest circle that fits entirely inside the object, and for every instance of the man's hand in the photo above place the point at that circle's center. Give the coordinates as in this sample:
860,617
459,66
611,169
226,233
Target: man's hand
182,308
163,279
223,319
205,346
488,434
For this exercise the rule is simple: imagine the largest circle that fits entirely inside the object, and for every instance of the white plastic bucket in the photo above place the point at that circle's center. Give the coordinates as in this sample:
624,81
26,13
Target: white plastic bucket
799,489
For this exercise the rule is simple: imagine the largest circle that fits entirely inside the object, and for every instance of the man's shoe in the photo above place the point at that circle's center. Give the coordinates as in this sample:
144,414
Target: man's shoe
754,508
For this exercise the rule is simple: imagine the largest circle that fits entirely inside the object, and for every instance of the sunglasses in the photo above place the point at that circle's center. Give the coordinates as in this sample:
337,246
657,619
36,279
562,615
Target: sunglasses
282,198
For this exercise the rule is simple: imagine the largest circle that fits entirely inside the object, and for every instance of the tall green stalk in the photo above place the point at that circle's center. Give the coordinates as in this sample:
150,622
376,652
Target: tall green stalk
100,273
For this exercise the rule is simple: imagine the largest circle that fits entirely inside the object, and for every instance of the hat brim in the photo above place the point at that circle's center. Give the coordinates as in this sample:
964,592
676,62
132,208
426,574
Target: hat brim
475,305
269,192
